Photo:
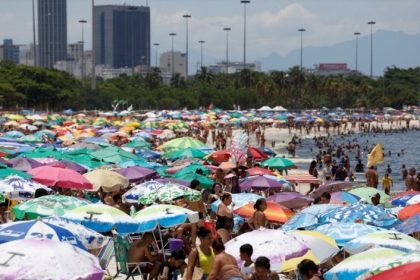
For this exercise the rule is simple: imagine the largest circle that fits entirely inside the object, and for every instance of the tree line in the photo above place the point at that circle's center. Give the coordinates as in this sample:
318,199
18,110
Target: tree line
24,86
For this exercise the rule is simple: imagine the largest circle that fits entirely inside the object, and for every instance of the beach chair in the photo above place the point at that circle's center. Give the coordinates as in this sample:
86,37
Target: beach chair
106,254
122,246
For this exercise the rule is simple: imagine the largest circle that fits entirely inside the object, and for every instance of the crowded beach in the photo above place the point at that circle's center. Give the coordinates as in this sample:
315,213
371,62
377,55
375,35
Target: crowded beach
210,194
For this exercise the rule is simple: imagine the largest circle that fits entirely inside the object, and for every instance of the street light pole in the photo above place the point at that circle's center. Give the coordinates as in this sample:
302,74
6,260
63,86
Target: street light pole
156,54
82,72
245,2
301,30
93,81
227,29
34,33
187,17
172,54
357,47
201,43
371,23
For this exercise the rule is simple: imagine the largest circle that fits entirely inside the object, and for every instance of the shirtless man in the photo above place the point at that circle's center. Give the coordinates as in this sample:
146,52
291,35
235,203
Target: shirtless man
140,252
372,177
225,266
410,180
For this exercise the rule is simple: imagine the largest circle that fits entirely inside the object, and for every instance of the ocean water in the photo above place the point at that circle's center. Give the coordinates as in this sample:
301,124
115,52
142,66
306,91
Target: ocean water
404,148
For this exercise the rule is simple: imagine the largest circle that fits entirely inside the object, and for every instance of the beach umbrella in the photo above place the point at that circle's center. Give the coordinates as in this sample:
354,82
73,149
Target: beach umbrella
367,193
274,213
290,199
70,165
358,264
276,245
113,155
367,213
59,177
409,226
330,187
205,182
258,171
37,229
267,151
108,180
396,268
90,238
409,211
169,193
136,173
6,172
138,162
138,143
14,134
185,153
2,197
278,163
239,199
318,209
188,168
30,139
387,239
148,154
401,194
259,182
138,191
402,200
181,143
302,178
414,200
219,156
227,165
43,152
162,215
23,163
18,188
47,259
345,232
322,246
410,271
173,180
46,206
343,198
102,218
256,153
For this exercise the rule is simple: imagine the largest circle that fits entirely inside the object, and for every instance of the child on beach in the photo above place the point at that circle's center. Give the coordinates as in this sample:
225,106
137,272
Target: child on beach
247,267
387,183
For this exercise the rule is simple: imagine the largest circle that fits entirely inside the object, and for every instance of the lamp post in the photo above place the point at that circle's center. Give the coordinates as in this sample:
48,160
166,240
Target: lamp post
33,31
93,81
187,17
371,23
201,45
172,54
82,71
227,29
156,53
357,47
301,30
245,2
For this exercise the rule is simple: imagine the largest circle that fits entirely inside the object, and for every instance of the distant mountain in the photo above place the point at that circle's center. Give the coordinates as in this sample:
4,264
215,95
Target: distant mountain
389,48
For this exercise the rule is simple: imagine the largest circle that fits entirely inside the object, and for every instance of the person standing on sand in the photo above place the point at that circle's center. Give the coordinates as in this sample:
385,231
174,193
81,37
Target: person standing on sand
387,183
404,172
372,177
410,180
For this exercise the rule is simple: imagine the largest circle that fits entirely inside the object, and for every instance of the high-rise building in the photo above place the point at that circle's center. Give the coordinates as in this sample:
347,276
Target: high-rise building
52,32
122,35
10,51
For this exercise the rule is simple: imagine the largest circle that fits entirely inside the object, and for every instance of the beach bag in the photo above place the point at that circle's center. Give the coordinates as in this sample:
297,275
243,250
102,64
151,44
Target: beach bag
198,272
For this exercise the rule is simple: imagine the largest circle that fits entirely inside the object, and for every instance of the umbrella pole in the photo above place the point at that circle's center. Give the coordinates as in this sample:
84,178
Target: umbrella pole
161,243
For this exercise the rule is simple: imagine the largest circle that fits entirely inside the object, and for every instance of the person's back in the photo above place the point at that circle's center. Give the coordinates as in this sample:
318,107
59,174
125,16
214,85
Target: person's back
371,177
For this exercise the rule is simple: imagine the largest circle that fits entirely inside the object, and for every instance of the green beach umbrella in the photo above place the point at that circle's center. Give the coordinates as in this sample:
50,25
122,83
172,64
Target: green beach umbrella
278,163
113,155
2,197
186,153
32,138
192,168
205,182
43,153
46,206
169,192
6,171
367,193
138,144
182,143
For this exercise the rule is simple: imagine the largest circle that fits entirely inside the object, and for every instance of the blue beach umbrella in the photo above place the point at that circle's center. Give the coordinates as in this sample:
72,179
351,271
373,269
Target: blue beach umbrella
37,229
240,199
299,221
367,213
345,232
402,201
409,226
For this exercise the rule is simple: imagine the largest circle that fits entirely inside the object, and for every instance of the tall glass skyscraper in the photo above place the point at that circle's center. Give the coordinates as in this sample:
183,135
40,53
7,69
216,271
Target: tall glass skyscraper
52,32
122,35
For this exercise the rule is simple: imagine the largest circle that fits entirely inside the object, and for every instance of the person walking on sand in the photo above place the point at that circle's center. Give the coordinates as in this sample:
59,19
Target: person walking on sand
387,183
372,177
410,180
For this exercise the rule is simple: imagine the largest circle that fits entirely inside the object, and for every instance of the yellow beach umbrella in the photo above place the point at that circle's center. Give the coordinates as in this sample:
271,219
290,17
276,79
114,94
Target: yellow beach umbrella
108,180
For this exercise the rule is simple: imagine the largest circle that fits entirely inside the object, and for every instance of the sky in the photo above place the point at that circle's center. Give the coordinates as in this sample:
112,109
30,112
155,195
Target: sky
271,24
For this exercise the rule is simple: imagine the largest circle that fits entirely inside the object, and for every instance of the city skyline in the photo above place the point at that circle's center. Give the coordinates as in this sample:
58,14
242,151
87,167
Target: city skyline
272,25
